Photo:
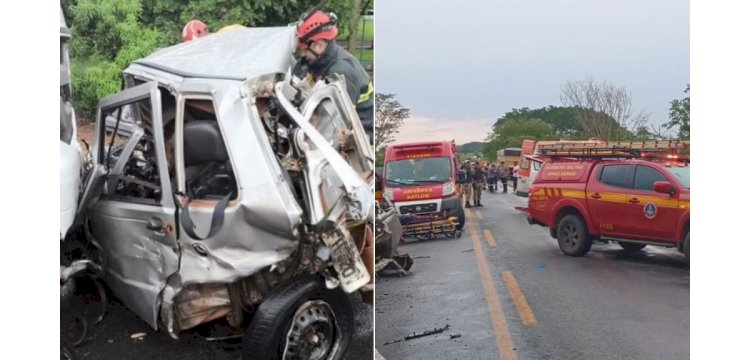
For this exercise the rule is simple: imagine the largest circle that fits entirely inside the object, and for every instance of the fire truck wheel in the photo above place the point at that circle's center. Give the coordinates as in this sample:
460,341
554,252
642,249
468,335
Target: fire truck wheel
631,246
301,320
461,217
686,247
572,236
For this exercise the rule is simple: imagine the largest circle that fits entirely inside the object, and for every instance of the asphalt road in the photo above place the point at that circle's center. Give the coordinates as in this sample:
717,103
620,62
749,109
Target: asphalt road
111,339
509,292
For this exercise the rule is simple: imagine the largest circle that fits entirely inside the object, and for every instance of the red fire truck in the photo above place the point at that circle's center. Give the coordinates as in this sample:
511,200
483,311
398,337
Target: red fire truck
633,193
422,178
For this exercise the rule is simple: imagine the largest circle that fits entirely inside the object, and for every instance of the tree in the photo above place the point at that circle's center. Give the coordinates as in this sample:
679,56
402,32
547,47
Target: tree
389,117
679,116
597,104
106,36
512,133
563,120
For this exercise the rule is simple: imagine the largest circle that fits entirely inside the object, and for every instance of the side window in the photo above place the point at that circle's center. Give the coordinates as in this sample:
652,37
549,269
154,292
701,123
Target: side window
208,170
129,153
646,176
616,175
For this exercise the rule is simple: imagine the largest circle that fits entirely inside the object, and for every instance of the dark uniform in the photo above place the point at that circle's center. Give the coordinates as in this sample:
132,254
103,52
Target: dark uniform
478,182
336,60
466,187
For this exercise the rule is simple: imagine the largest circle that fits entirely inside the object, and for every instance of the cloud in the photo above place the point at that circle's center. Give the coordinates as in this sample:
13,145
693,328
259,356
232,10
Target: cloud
420,128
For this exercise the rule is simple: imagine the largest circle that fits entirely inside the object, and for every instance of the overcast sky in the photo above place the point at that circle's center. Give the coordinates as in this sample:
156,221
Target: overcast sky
459,65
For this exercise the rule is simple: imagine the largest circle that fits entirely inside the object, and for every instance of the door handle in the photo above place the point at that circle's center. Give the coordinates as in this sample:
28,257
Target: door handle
596,196
633,201
155,224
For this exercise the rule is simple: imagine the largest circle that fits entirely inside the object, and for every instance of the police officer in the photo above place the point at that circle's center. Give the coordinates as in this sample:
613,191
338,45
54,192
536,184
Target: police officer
478,182
322,56
466,187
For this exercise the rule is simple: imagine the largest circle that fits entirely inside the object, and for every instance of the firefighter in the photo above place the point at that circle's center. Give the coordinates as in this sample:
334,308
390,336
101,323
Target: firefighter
466,187
322,56
194,29
478,182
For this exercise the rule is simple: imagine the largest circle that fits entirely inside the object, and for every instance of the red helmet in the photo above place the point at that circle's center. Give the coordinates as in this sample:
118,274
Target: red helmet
194,29
315,26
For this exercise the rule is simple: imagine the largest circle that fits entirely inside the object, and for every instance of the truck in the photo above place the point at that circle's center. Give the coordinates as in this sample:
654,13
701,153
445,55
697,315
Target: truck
421,178
531,161
632,193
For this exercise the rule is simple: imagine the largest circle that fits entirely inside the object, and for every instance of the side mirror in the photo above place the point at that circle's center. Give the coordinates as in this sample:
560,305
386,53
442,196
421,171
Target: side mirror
462,177
664,187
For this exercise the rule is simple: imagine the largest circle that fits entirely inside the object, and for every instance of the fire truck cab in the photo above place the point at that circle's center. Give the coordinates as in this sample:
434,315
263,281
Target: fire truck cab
421,178
628,192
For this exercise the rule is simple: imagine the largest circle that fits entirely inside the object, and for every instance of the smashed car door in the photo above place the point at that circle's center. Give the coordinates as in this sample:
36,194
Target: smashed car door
132,220
339,165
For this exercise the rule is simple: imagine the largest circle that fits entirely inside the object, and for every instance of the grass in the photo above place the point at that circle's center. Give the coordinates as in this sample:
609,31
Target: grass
368,31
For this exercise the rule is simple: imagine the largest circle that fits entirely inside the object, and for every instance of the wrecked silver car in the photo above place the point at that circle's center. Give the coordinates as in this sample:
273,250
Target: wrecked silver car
223,189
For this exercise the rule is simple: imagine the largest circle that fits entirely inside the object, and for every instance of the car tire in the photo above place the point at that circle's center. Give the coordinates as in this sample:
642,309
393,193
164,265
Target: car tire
302,306
461,215
572,236
631,246
686,247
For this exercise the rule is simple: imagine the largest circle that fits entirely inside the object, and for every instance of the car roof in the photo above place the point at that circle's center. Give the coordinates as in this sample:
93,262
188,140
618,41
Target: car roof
234,55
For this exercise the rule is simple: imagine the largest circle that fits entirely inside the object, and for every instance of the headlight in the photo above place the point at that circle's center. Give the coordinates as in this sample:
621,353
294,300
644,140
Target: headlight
388,194
448,189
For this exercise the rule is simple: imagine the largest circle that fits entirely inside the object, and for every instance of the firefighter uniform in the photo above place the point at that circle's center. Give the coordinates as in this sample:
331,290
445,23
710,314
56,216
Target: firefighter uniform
336,60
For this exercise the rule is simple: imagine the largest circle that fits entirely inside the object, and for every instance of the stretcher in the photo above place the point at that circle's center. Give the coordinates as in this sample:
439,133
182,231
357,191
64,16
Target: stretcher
428,227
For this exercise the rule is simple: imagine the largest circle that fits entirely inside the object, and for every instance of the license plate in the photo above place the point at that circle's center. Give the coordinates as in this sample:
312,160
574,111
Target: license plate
346,260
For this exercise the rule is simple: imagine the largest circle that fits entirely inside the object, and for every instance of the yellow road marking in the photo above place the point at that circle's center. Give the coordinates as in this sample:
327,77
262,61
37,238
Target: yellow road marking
503,339
527,315
479,215
490,239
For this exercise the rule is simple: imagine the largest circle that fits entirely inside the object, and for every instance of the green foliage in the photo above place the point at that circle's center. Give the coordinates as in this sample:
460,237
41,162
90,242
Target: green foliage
107,35
379,158
562,119
511,133
679,116
472,147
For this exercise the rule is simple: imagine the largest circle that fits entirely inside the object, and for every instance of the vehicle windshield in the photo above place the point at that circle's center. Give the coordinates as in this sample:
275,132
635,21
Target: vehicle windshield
681,173
418,171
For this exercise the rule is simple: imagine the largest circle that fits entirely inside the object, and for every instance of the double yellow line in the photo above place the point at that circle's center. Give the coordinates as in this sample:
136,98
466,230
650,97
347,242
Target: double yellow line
503,338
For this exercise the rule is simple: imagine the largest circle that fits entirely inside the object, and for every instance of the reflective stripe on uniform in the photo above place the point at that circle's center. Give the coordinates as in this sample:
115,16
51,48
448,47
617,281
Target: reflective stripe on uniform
366,96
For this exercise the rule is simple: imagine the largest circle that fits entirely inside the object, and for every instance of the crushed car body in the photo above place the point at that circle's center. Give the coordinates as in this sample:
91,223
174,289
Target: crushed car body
216,181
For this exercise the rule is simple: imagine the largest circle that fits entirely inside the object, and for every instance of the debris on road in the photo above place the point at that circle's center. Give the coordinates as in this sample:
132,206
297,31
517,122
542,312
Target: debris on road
422,334
138,336
422,257
455,336
468,250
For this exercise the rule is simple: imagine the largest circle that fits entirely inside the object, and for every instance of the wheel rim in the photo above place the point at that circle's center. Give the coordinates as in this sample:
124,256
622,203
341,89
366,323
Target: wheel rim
570,235
313,332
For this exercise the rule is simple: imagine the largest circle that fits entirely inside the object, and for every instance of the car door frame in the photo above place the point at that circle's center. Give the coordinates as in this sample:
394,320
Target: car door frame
139,260
666,218
609,212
